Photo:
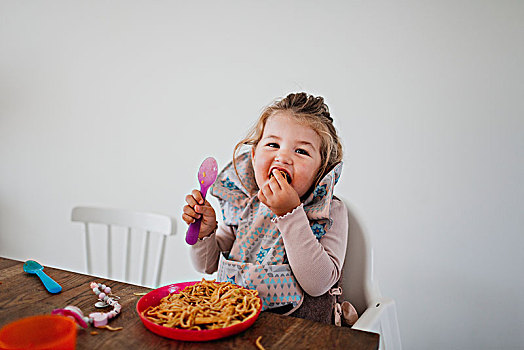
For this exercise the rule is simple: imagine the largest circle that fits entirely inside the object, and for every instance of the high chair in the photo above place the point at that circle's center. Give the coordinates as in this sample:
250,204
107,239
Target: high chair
144,224
376,313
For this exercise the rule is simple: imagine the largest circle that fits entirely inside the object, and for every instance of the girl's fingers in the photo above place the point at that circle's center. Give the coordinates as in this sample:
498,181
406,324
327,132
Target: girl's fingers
266,190
206,210
278,176
190,212
188,219
274,185
198,196
262,197
196,208
190,200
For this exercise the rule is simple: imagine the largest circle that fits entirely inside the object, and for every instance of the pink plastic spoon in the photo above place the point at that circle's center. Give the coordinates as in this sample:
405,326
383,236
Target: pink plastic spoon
207,174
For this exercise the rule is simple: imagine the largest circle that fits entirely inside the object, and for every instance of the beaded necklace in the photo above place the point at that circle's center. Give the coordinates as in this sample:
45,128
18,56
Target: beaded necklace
97,319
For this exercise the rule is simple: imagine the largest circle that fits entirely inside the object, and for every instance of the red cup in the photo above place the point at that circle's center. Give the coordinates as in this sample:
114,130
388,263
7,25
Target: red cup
39,332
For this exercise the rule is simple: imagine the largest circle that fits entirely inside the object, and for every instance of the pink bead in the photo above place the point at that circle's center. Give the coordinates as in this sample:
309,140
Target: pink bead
93,285
99,319
101,296
107,290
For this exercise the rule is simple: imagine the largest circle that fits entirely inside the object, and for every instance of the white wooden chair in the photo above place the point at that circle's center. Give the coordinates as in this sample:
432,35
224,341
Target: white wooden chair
145,223
377,314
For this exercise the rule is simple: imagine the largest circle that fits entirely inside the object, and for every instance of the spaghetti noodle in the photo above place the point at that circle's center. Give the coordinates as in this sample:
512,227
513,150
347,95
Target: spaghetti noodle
205,305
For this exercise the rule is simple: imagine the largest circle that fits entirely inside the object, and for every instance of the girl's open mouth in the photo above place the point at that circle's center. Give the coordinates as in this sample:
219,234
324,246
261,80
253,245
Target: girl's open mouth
284,173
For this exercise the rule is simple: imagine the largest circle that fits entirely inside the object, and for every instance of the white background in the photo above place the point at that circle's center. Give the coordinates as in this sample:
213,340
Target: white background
116,103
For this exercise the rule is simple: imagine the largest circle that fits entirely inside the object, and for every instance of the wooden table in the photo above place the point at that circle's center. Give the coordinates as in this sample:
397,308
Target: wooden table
23,295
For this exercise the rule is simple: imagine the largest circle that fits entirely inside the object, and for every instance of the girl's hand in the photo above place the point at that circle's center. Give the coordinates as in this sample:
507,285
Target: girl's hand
279,195
196,208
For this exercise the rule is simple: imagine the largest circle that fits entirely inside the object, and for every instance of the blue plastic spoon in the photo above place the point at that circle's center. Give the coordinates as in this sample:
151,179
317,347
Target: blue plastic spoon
31,266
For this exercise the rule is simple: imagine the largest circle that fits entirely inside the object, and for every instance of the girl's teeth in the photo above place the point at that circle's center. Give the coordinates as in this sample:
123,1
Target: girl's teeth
284,174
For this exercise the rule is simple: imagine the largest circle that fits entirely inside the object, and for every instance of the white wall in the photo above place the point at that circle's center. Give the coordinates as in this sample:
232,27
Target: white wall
116,104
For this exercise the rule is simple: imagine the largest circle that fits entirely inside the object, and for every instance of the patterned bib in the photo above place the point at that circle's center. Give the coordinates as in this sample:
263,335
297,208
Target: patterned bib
258,259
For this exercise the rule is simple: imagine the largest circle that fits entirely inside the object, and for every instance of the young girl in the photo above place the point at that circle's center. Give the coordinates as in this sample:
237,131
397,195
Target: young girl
283,232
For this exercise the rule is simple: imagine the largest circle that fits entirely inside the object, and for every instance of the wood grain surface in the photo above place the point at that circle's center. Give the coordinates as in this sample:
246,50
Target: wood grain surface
23,295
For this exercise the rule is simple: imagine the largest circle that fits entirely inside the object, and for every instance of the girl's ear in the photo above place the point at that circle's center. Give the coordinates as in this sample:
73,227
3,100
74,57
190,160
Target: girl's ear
252,154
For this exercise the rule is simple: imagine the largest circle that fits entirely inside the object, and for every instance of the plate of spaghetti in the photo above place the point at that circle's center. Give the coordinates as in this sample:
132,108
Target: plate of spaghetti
199,310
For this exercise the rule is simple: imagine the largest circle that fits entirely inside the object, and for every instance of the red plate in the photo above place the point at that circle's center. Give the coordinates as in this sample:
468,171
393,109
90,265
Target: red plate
153,298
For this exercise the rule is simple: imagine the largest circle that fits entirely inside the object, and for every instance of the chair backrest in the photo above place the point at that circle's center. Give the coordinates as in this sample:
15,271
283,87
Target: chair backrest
145,223
357,282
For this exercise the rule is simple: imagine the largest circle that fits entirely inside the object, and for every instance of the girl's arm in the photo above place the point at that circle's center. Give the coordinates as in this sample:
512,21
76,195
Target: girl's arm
316,264
205,252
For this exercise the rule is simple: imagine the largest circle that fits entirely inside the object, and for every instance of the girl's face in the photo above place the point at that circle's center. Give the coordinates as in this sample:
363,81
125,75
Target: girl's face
288,146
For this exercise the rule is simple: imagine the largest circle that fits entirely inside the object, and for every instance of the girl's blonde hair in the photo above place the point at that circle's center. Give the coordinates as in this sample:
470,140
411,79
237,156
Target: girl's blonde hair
307,110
